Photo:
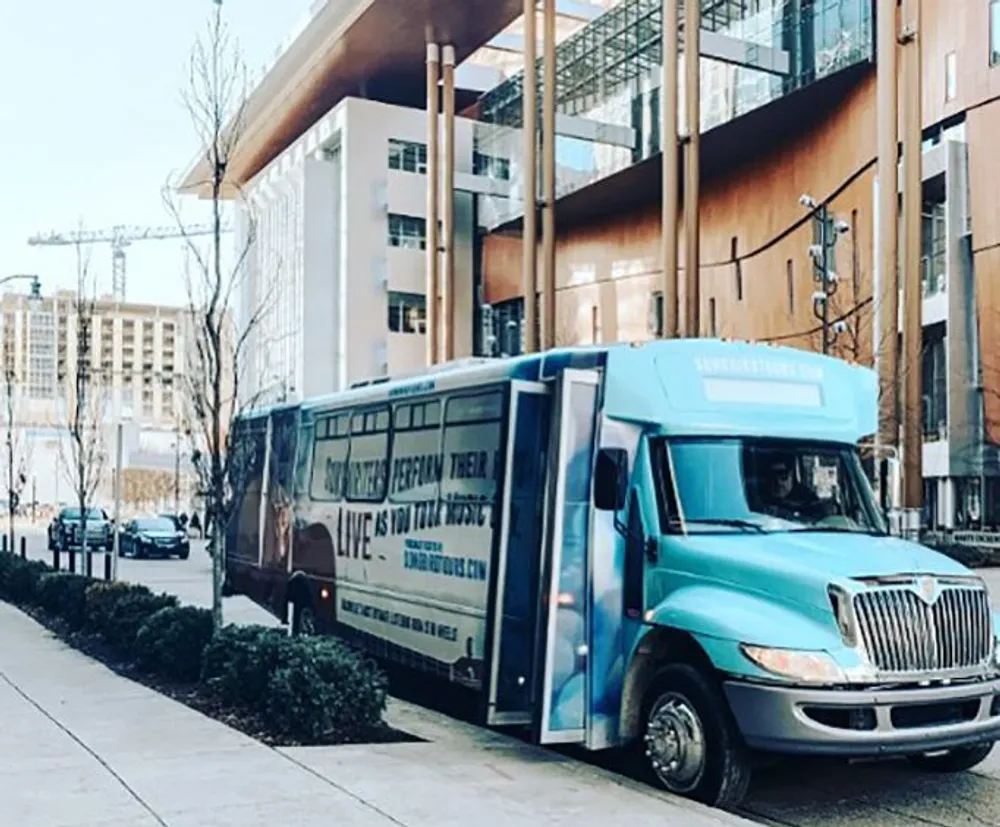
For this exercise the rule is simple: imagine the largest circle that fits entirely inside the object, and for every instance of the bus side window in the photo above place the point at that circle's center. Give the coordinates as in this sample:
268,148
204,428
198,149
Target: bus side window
369,456
416,452
634,545
331,444
663,479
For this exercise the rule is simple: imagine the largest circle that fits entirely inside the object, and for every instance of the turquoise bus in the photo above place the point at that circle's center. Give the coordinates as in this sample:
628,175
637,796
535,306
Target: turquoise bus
670,547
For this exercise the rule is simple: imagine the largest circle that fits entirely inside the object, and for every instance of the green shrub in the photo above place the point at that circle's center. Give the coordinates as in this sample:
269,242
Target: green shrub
65,595
19,578
320,690
117,610
238,662
171,642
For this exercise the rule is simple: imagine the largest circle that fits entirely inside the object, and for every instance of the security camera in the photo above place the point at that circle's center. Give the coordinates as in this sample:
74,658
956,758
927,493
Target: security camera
815,252
807,201
842,227
840,326
831,277
819,296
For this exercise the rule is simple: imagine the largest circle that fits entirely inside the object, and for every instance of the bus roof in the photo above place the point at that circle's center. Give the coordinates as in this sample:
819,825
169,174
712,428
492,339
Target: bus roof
685,386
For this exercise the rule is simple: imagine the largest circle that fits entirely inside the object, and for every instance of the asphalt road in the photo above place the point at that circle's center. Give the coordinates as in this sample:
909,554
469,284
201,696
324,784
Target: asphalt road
801,793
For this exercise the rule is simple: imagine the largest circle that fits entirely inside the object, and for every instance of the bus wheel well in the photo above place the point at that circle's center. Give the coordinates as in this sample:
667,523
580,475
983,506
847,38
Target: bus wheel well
659,647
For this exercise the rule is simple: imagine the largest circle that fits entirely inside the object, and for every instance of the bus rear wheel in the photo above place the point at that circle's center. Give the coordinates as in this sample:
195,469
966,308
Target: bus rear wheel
691,743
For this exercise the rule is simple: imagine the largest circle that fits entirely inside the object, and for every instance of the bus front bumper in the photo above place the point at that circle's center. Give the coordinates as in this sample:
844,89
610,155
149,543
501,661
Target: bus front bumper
865,723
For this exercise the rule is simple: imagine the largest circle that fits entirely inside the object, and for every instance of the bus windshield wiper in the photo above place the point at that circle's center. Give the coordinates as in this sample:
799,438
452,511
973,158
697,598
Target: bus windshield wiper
728,522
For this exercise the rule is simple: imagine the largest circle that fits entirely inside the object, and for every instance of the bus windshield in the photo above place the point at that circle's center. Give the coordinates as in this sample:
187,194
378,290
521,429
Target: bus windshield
770,485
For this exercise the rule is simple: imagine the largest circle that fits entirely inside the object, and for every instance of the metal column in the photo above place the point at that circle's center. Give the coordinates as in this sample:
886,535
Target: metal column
668,144
887,310
692,145
431,241
913,483
529,252
448,213
548,174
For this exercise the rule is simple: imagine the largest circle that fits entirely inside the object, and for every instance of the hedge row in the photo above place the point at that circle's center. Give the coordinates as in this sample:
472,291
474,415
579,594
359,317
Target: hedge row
306,690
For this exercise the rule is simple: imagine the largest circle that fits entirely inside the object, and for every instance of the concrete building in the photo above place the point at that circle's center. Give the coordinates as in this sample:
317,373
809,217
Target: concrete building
138,356
788,108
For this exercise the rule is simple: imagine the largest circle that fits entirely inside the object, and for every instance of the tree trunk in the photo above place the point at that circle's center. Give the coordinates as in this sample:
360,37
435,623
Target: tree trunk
218,542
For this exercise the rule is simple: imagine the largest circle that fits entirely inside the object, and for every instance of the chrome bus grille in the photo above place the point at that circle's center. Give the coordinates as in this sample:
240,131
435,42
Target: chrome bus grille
902,633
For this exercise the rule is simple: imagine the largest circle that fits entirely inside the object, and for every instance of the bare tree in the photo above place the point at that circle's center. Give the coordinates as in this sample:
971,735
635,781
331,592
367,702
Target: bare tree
216,99
82,454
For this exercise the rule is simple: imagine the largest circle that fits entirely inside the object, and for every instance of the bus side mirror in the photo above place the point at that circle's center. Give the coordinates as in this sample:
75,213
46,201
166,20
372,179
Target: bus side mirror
611,479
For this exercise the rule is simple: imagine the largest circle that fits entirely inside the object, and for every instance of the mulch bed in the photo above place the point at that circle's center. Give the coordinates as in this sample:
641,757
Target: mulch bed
190,694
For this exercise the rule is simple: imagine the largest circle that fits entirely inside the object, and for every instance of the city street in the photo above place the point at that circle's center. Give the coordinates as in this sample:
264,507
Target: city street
799,793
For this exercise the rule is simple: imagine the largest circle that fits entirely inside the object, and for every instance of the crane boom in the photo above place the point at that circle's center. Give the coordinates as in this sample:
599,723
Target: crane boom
120,237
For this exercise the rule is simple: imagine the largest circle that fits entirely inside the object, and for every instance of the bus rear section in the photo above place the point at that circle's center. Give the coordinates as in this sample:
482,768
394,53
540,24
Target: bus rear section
416,515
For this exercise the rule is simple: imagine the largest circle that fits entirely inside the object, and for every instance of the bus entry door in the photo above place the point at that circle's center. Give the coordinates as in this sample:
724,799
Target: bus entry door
515,610
561,707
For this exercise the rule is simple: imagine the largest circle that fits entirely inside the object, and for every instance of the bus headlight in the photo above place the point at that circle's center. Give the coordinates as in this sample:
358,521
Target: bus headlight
809,667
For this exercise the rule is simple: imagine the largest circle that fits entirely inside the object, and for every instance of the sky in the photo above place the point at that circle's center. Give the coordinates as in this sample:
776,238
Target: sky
92,124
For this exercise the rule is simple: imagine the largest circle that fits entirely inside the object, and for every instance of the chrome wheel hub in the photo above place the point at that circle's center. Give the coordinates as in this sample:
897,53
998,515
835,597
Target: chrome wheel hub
675,742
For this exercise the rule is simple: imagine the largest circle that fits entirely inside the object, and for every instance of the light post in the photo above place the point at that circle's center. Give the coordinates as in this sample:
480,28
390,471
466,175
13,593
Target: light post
830,231
34,296
124,414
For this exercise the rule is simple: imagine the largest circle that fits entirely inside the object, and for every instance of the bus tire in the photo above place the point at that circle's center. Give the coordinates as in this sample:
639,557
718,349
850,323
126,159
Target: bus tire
303,617
690,742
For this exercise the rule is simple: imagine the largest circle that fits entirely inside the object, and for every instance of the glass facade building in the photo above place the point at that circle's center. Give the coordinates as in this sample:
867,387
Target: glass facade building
609,72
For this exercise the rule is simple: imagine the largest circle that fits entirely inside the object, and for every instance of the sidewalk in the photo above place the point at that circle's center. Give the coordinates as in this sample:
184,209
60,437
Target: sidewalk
82,747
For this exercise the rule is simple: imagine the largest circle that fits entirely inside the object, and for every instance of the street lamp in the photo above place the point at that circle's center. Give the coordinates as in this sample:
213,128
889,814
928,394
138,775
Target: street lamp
34,297
124,414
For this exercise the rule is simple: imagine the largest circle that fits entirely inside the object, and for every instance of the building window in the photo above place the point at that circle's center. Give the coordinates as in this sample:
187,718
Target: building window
408,156
407,231
491,166
407,313
734,253
950,76
935,384
994,32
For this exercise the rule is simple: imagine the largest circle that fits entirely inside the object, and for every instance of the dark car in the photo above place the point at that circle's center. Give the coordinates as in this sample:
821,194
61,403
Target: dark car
153,537
66,530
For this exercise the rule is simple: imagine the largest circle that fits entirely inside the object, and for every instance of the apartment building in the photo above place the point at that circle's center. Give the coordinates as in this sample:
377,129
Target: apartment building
136,356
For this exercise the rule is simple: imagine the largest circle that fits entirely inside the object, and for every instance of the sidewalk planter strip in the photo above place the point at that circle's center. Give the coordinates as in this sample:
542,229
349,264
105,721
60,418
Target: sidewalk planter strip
284,691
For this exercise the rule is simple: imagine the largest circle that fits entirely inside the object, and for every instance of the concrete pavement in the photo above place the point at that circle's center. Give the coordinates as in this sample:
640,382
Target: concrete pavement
83,747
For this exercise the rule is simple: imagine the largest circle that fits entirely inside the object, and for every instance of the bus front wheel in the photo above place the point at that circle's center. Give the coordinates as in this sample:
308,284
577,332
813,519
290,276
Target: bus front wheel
690,741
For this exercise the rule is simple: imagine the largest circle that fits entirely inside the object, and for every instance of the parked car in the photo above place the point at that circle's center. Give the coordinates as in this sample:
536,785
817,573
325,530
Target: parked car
66,529
153,537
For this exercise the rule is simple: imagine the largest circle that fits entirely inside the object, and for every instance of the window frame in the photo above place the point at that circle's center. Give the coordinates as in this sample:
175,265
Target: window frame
364,412
321,434
411,406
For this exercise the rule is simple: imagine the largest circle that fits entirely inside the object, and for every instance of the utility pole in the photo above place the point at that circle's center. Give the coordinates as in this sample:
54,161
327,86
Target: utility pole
669,153
887,309
529,239
821,254
913,482
692,167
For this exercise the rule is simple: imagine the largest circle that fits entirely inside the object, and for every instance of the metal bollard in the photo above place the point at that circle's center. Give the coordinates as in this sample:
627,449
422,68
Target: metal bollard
72,561
24,546
88,563
55,558
3,544
107,566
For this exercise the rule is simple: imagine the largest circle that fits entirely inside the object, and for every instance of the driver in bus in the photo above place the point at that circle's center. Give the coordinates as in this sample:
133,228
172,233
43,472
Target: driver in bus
783,495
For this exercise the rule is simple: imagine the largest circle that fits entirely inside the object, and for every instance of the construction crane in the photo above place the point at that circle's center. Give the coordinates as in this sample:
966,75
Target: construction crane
120,237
